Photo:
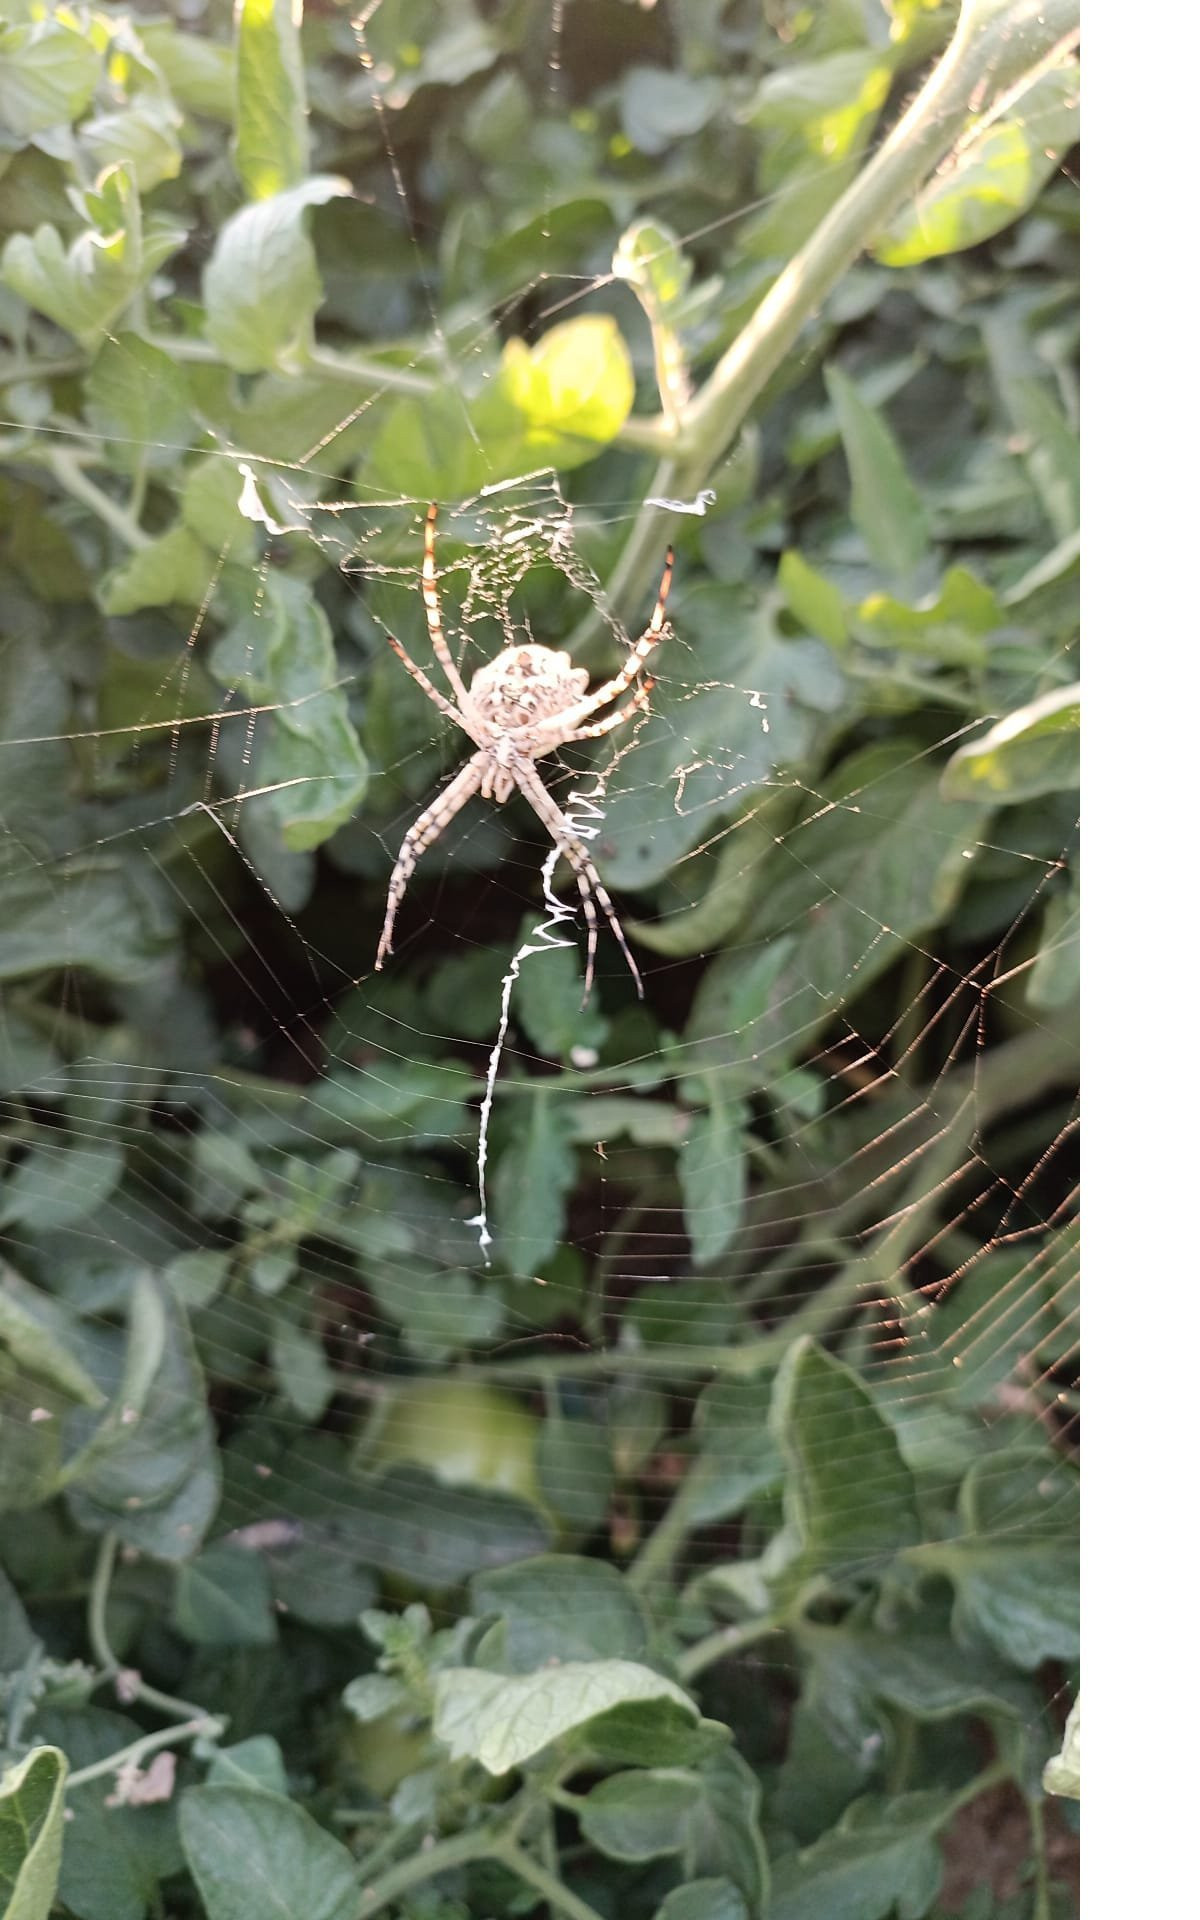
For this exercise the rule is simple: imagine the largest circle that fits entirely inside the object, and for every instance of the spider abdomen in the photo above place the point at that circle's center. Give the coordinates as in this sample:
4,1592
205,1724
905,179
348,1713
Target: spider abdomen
526,684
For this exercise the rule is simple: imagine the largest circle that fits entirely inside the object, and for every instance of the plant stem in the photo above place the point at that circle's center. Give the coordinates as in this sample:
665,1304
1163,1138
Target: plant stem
725,1641
478,1844
1041,1864
206,1726
657,1555
67,471
552,1890
111,1668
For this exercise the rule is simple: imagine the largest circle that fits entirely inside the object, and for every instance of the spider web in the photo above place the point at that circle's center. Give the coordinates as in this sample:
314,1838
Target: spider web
865,1130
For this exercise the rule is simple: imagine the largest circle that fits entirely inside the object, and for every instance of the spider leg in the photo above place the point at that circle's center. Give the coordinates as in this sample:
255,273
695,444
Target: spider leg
422,833
426,684
433,612
634,663
576,854
639,703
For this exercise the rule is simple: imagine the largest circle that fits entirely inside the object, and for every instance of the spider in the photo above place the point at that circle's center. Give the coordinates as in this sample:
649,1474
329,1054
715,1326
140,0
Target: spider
519,707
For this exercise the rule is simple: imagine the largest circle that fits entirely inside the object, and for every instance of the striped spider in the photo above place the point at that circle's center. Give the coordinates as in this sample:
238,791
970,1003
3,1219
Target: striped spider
519,707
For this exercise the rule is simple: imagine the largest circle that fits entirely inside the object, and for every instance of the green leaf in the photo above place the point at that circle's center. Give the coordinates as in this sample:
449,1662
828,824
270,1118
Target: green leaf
56,1186
37,1332
1061,1775
440,1312
308,752
31,1832
638,1816
884,504
270,149
709,1815
534,1176
1015,1564
921,1671
85,286
848,1497
148,1469
740,1456
256,1762
812,599
113,1857
1033,751
138,399
1054,980
704,1900
881,1858
211,508
174,569
947,626
713,1173
548,996
48,71
575,1471
502,1722
653,1733
997,172
255,1856
555,404
849,887
1041,429
301,1367
734,888
723,1835
17,1638
386,1524
701,1312
223,1599
143,136
994,1316
261,287
560,1607
389,1100
748,697
106,914
572,391
812,118
199,72
660,107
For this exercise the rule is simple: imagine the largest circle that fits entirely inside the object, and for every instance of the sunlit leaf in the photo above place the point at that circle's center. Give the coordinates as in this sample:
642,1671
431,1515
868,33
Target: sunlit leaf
1032,751
31,1832
502,1722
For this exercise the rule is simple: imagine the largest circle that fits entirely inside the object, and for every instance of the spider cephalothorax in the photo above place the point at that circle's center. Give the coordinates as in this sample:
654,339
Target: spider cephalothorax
523,704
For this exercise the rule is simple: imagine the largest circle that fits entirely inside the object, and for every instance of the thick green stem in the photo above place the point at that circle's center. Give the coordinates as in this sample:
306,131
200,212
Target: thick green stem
479,1844
725,1642
558,1897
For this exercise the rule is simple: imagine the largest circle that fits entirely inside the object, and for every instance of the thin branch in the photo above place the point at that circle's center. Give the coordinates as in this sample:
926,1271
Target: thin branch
207,1726
134,1688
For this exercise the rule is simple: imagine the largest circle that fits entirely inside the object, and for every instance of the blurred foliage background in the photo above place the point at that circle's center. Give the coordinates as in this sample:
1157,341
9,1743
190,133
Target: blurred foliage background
709,1554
